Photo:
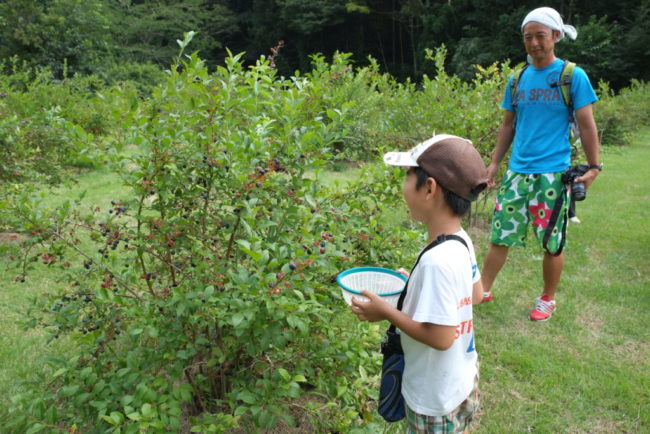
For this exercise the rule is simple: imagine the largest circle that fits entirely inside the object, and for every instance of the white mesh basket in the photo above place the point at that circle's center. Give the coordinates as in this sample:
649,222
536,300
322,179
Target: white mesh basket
386,283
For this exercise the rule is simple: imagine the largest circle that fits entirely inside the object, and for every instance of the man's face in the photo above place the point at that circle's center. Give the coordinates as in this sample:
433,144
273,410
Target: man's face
539,41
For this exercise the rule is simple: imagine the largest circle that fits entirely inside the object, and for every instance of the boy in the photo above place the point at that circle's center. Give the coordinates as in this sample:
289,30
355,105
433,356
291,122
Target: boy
440,381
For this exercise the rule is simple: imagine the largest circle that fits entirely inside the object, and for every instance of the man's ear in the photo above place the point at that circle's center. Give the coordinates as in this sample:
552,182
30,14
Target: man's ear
556,35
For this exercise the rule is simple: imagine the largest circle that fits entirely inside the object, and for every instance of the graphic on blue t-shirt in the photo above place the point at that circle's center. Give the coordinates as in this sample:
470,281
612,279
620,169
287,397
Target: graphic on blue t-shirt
470,347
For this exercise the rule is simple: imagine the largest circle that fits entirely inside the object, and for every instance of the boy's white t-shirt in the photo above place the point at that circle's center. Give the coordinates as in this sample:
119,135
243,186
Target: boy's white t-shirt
440,292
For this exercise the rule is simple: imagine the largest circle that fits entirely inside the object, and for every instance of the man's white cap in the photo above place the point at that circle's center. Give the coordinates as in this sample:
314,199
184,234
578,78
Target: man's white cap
550,18
451,160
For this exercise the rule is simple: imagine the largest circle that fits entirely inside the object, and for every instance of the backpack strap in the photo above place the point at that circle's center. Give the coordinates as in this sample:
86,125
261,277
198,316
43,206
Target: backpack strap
514,90
441,239
564,83
514,84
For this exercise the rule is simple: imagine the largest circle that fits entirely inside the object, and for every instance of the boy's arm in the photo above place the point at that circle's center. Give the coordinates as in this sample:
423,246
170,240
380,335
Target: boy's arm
436,336
477,293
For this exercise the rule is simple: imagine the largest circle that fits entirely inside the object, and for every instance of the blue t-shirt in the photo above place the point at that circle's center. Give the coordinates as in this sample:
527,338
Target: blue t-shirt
541,143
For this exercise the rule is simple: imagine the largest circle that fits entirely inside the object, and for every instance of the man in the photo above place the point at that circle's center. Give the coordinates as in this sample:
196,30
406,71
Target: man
537,124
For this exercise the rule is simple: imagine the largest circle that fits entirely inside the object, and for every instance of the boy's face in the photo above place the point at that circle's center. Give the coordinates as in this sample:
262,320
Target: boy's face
415,199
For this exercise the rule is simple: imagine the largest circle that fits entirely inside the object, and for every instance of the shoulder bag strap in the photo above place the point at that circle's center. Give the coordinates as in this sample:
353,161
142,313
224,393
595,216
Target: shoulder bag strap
441,239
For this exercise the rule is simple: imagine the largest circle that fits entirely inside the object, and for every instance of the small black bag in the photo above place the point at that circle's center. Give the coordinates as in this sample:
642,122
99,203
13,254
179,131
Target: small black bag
391,402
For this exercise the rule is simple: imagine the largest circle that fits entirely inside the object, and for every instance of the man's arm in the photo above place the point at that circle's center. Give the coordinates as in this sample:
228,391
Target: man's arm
590,143
436,336
504,140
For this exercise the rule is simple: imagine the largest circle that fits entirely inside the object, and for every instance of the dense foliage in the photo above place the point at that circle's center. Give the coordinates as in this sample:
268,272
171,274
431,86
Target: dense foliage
202,298
120,39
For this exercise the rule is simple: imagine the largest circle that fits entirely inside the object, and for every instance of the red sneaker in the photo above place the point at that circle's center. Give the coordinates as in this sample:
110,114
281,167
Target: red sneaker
544,308
487,297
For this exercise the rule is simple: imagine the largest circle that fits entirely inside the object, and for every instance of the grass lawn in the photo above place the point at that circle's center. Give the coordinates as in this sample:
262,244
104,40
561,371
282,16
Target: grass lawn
588,369
585,371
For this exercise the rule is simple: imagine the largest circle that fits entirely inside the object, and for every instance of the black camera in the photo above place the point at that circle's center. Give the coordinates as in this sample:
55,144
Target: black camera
578,190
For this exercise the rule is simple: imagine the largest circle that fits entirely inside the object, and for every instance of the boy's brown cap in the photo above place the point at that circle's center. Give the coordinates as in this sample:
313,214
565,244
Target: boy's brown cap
452,161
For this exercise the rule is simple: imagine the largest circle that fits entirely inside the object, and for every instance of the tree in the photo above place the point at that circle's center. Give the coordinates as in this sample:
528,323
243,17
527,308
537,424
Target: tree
54,33
149,29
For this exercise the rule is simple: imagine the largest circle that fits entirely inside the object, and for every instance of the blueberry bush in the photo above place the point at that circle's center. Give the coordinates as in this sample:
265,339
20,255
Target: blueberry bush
204,299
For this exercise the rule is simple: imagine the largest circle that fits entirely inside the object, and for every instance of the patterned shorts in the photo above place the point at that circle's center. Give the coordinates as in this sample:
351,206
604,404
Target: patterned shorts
455,422
523,198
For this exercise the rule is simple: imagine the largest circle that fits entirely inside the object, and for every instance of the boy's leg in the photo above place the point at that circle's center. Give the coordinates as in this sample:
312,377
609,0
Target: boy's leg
456,422
494,261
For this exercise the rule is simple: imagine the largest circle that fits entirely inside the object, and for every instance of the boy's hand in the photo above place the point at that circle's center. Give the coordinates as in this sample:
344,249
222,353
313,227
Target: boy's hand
403,272
373,310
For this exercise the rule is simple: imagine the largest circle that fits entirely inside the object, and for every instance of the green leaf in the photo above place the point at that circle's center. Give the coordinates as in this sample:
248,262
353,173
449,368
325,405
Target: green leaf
80,399
152,331
241,410
146,410
134,416
237,319
299,378
247,397
110,420
68,390
284,374
60,372
126,400
257,256
117,417
35,428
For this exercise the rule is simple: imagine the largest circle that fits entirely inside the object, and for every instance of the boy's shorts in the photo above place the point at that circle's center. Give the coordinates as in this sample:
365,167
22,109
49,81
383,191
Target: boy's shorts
523,198
455,422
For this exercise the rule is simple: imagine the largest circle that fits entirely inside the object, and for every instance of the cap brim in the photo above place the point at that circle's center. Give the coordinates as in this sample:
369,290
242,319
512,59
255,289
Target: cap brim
402,159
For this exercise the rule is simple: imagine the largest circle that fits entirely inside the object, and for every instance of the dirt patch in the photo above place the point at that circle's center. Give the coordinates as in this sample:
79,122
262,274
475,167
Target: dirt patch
590,320
12,238
598,426
633,352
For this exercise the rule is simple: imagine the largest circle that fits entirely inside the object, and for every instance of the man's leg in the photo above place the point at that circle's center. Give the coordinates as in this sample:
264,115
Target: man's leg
552,268
545,304
494,261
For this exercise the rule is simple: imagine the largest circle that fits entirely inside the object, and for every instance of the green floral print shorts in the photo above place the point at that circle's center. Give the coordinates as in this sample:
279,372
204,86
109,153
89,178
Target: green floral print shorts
528,197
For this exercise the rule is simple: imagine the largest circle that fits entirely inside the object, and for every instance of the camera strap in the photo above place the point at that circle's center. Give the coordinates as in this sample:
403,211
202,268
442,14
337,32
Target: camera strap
553,220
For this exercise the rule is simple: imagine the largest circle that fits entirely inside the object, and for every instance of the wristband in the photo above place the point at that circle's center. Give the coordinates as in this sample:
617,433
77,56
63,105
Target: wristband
598,167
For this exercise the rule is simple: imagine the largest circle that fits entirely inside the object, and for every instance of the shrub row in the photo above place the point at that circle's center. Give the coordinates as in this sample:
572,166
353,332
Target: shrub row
203,299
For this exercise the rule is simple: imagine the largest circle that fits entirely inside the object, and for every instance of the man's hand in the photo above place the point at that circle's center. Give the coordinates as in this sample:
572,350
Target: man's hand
374,310
588,177
492,170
